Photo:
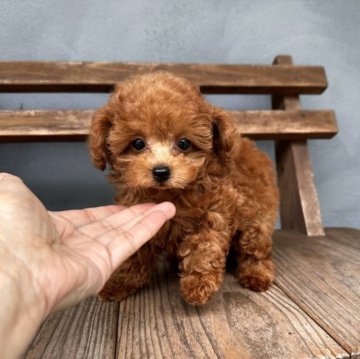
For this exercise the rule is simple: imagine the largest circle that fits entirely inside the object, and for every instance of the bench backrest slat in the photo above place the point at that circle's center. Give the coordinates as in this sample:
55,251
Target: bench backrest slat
67,124
212,78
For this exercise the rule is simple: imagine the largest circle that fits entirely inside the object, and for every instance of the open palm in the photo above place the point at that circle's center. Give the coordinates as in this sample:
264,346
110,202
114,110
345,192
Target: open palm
71,254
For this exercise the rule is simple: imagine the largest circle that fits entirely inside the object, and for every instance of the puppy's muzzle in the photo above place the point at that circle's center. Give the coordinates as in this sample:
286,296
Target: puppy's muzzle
161,173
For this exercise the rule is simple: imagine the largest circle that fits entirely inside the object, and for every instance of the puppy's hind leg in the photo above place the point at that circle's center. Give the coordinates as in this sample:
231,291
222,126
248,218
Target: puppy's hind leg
256,269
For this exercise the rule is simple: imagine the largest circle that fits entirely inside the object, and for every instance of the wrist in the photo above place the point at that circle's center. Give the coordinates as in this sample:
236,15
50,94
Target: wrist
22,309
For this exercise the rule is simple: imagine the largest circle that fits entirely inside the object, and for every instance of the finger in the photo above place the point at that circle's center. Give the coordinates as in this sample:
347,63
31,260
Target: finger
82,217
125,244
164,207
115,220
167,208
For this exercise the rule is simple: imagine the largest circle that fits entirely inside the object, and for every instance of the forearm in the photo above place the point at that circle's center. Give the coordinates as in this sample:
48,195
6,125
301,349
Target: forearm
21,310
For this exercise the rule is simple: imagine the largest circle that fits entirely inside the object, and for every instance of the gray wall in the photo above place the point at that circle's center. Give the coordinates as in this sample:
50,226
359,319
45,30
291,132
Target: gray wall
324,32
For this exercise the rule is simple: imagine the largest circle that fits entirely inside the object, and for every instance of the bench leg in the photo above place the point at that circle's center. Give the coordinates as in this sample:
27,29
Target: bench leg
299,203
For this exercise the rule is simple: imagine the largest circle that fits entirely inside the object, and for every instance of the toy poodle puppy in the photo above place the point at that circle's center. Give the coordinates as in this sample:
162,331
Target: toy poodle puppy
163,142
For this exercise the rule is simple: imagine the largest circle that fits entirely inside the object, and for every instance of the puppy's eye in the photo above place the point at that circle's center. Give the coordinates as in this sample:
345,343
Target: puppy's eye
184,144
138,144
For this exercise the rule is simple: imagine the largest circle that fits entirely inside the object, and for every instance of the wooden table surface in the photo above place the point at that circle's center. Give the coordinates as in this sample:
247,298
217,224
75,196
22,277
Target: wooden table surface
312,311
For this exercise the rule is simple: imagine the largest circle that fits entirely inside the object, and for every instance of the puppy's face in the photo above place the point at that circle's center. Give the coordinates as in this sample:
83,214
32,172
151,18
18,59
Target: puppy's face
156,132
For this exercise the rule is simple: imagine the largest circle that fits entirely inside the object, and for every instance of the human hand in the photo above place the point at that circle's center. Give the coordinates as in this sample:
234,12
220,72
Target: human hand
59,258
71,254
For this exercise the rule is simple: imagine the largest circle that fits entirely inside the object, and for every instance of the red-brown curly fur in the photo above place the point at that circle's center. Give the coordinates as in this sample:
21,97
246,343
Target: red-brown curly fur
223,187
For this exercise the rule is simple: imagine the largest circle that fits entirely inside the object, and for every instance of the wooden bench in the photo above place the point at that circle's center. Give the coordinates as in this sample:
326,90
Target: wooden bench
312,310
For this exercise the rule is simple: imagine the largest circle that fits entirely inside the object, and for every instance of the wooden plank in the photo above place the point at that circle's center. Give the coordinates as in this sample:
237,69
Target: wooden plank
349,237
44,124
212,78
299,204
321,275
285,124
62,124
85,331
236,323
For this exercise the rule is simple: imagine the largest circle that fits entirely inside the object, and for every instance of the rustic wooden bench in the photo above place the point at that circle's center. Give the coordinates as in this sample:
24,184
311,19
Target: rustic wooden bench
312,310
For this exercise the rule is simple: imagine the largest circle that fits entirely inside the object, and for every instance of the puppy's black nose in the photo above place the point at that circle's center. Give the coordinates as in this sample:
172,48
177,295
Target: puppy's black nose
161,173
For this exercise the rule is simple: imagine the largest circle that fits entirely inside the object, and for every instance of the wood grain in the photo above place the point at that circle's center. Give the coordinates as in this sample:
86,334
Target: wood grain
299,204
212,78
348,237
67,124
85,331
321,275
237,323
312,307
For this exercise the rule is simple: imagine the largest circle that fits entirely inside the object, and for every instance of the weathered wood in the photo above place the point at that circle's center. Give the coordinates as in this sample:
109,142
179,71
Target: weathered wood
313,304
212,78
299,205
85,331
264,125
237,323
321,275
349,237
53,125
35,125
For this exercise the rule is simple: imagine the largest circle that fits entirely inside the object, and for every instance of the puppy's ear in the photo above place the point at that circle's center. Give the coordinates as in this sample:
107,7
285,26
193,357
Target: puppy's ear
101,124
226,139
99,130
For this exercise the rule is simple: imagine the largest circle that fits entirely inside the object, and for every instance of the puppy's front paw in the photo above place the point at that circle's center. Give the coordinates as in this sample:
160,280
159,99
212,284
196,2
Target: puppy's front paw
257,276
197,288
